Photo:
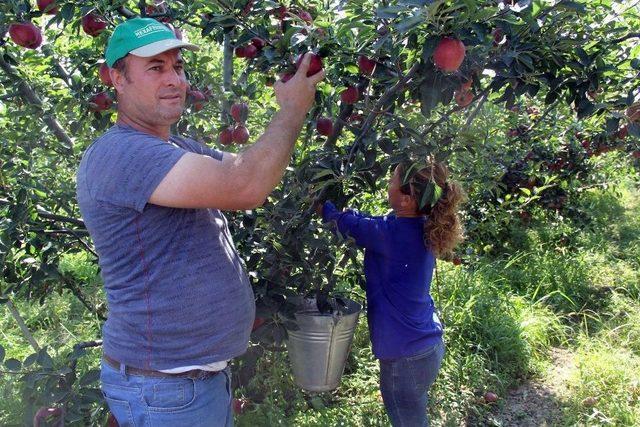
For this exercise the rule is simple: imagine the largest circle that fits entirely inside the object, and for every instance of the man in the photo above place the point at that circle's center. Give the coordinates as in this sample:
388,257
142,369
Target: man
180,303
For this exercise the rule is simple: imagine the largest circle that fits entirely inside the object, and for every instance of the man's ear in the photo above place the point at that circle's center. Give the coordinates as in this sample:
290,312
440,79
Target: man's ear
117,78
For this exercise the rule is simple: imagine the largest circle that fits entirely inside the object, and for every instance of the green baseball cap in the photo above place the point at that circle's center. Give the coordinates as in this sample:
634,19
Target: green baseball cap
143,37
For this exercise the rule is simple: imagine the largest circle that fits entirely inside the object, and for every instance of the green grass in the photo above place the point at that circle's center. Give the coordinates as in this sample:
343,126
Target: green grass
605,386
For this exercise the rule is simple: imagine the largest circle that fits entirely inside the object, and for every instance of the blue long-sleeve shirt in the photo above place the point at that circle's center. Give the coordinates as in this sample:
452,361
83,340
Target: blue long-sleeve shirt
398,270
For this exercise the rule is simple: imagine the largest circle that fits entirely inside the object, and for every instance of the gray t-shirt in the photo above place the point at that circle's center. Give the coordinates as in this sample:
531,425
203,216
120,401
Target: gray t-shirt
177,290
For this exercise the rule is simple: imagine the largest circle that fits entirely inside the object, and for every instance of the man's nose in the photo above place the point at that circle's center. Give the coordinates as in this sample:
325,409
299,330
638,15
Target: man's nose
174,77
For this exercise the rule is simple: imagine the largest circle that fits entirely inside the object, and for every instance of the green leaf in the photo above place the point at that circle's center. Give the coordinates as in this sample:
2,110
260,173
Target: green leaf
44,359
612,124
317,403
30,360
389,12
90,377
572,5
437,194
427,195
409,23
13,364
322,174
2,353
67,11
428,47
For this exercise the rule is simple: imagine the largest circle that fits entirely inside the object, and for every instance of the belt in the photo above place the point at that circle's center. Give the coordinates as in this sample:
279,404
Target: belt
193,374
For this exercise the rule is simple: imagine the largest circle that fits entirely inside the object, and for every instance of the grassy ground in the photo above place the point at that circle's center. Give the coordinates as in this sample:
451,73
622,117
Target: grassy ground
568,287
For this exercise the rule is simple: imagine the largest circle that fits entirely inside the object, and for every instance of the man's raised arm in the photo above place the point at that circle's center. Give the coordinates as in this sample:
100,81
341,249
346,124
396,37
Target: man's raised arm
243,180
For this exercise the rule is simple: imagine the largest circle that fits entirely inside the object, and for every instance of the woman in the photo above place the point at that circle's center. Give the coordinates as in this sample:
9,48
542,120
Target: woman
400,251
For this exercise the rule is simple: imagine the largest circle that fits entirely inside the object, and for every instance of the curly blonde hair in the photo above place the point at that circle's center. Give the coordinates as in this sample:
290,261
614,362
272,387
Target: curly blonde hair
443,230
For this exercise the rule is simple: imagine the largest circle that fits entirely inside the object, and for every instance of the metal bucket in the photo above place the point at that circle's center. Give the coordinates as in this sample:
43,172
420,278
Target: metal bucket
318,350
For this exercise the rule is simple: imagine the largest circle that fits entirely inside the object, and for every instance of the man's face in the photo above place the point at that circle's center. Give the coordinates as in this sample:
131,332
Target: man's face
154,89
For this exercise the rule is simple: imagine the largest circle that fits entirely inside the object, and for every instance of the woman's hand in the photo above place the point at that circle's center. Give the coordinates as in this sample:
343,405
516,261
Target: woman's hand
318,208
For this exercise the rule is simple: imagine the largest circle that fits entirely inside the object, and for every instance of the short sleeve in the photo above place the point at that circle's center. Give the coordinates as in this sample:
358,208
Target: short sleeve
126,171
198,147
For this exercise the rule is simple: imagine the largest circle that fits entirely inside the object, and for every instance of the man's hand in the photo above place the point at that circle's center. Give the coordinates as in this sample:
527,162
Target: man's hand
298,94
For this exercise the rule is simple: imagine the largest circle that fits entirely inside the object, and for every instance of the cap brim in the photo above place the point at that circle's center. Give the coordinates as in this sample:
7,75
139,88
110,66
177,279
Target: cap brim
162,46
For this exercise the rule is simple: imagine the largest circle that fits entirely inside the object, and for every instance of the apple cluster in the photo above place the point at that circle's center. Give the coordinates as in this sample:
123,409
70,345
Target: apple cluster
237,133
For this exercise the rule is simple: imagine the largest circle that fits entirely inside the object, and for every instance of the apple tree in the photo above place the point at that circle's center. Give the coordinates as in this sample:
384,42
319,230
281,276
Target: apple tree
518,97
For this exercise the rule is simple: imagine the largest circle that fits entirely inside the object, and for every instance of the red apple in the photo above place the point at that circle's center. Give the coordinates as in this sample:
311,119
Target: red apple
240,135
197,99
636,154
498,37
463,98
585,144
25,34
306,17
105,77
513,133
239,112
315,65
44,414
366,65
157,10
259,321
633,112
240,405
250,51
247,8
350,95
286,77
622,132
111,421
281,12
241,52
355,117
258,43
449,54
490,397
47,6
324,126
456,260
93,24
100,102
226,136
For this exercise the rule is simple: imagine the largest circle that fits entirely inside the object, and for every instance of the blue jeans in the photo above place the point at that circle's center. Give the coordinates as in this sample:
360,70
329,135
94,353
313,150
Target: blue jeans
405,383
139,401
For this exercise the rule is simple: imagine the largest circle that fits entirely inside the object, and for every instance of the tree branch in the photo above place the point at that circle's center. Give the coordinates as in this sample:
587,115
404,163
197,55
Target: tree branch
29,95
23,326
624,38
44,214
472,116
82,298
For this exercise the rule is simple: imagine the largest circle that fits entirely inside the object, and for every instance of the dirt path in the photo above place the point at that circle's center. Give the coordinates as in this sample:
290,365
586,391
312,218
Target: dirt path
537,402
